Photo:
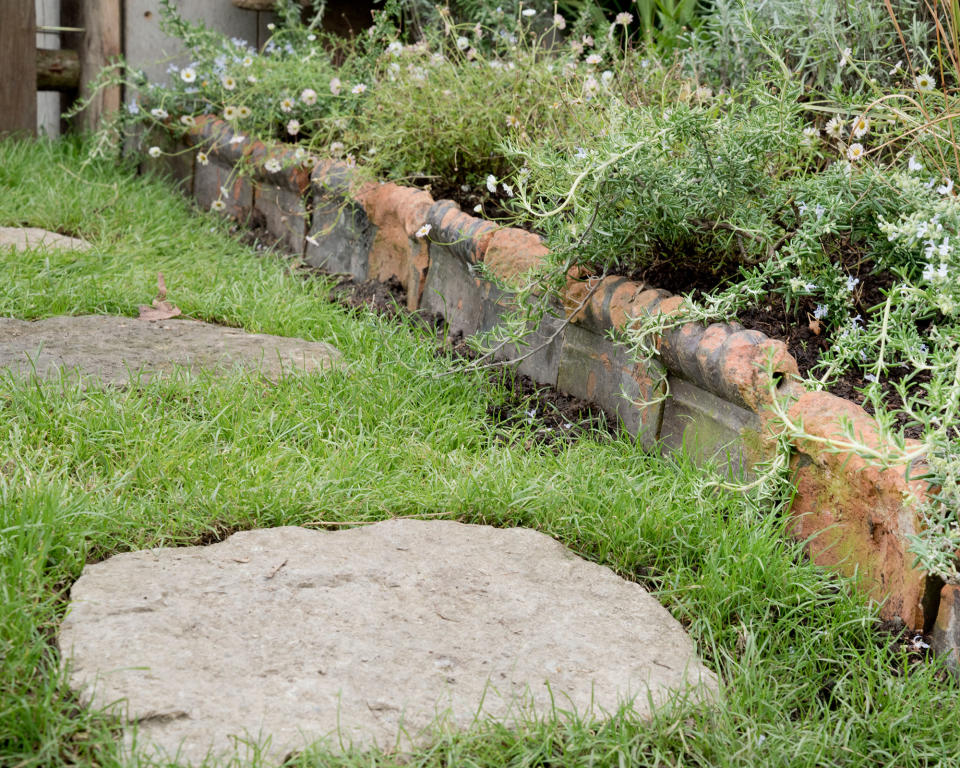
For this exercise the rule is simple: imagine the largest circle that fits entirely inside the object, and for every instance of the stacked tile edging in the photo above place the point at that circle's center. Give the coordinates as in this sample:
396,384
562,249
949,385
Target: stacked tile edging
851,516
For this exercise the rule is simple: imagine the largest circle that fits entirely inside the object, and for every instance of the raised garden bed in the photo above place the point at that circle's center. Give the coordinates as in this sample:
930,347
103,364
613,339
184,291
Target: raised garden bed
707,392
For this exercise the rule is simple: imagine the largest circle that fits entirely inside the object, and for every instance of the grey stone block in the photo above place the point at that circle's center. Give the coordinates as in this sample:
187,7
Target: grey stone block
709,428
285,215
452,291
220,181
340,237
543,365
595,368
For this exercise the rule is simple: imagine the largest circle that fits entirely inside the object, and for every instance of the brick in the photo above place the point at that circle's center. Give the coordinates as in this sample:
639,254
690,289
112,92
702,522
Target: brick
340,236
543,365
945,637
219,181
285,215
854,516
595,368
453,291
709,429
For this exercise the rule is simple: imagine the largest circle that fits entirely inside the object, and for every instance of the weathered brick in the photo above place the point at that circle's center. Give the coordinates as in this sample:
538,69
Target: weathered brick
219,181
852,515
709,428
595,368
340,236
453,291
285,215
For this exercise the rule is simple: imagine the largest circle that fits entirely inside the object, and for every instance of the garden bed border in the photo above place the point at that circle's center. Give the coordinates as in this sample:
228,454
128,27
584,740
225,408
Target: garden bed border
707,392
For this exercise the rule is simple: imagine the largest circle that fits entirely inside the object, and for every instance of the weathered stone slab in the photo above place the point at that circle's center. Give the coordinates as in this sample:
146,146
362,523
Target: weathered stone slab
285,214
25,238
218,180
300,635
708,428
594,368
112,348
340,236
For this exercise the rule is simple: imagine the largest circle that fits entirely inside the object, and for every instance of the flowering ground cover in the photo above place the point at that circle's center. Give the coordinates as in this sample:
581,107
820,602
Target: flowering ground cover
810,677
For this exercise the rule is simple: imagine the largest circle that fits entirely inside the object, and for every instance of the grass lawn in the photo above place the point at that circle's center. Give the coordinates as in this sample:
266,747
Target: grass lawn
808,680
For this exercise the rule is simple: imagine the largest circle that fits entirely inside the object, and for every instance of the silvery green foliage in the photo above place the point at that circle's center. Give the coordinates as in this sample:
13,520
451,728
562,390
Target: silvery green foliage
737,37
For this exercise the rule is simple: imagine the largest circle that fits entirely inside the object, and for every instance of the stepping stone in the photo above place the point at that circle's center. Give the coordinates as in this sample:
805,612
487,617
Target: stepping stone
298,635
23,238
112,348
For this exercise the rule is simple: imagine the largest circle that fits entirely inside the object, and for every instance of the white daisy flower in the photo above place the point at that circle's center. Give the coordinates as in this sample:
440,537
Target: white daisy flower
463,43
286,105
478,208
247,61
529,12
512,122
229,83
251,79
559,22
593,59
308,97
834,127
424,230
160,113
810,135
293,127
238,139
230,113
336,149
154,152
188,120
243,112
272,165
855,151
507,189
491,183
335,86
624,19
188,74
218,206
311,37
202,158
923,82
395,48
860,127
358,88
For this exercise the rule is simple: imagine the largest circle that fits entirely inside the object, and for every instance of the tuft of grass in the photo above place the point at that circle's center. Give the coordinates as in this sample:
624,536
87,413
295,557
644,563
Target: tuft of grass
808,679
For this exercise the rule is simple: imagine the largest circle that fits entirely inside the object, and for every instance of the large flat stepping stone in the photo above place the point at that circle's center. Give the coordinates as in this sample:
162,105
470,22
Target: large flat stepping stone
112,348
23,238
301,635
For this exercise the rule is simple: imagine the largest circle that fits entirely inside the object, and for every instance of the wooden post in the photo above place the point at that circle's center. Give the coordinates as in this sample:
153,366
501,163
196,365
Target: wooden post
57,70
18,63
101,45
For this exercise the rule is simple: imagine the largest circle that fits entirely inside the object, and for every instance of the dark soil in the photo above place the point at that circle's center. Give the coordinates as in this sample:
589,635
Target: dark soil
495,206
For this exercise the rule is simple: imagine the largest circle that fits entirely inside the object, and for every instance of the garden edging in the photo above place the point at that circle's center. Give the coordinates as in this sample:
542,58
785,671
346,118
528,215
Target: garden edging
850,515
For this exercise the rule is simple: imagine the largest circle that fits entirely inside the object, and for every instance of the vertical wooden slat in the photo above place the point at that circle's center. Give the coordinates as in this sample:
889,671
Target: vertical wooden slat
101,46
18,66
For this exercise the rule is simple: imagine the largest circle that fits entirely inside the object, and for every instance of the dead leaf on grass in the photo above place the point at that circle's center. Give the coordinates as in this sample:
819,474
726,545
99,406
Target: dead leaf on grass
161,309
